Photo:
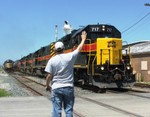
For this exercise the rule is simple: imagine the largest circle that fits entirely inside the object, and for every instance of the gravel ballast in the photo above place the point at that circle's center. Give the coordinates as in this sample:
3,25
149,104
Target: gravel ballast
11,85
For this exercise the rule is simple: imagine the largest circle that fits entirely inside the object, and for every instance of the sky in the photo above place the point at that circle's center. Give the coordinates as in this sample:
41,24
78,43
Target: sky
28,25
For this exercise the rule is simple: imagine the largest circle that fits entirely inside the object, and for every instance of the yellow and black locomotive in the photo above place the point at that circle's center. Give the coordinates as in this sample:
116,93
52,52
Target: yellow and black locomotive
100,62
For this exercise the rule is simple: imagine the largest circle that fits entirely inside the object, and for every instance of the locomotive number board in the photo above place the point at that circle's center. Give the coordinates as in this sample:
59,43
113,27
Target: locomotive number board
102,28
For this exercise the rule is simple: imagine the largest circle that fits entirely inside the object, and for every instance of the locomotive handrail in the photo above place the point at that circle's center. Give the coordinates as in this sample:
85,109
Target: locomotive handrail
89,57
101,50
93,65
93,72
129,54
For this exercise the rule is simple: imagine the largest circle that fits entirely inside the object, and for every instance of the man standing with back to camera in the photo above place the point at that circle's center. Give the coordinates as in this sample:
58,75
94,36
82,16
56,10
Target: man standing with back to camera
60,74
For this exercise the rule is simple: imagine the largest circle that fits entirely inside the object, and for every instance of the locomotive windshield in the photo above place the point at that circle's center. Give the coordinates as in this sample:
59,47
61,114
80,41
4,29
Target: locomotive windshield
100,35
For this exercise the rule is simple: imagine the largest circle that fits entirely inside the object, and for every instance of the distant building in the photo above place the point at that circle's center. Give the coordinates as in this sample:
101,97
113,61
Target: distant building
140,60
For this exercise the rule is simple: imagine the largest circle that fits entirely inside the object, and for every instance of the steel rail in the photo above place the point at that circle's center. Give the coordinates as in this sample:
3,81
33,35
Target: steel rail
77,114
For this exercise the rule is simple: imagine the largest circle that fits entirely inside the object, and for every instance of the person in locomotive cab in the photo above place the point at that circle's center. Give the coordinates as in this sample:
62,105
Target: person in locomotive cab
60,75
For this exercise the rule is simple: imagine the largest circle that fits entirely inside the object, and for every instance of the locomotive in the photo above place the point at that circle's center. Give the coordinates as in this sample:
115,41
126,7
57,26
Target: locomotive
101,61
8,65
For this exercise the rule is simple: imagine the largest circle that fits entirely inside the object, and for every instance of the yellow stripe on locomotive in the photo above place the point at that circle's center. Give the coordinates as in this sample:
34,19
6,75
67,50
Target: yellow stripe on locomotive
109,50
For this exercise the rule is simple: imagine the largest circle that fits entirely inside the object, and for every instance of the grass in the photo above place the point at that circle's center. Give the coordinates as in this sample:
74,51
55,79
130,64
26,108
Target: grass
144,83
147,83
4,93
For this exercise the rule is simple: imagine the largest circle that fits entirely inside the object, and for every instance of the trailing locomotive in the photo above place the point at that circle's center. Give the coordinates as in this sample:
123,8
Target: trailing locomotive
100,62
8,65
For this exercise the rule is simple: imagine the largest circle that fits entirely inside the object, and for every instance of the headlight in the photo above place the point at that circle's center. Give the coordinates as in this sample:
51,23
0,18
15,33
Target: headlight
128,67
103,28
102,67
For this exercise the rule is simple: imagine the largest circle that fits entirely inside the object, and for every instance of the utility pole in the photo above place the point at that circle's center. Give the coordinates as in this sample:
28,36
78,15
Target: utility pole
147,4
56,32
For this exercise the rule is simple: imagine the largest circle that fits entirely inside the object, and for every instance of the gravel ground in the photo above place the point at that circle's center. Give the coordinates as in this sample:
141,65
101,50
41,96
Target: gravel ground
78,90
12,86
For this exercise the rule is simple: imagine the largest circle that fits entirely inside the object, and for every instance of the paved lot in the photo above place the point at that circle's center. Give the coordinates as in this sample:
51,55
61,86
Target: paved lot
41,107
25,107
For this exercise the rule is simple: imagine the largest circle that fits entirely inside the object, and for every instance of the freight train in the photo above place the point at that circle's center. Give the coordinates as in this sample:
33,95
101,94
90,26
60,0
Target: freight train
101,61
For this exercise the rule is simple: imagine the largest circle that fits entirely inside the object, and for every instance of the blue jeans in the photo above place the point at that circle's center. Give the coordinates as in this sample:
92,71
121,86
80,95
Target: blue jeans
63,97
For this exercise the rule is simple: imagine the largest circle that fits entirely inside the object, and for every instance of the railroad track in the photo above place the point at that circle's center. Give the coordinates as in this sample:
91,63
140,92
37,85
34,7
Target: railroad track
35,87
111,107
28,83
142,85
128,91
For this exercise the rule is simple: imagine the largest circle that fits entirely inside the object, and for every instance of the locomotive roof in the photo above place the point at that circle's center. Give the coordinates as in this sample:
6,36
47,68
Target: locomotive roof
8,61
78,31
94,25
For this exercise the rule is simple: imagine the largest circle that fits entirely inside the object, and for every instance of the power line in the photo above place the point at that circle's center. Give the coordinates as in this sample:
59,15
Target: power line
135,23
147,4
